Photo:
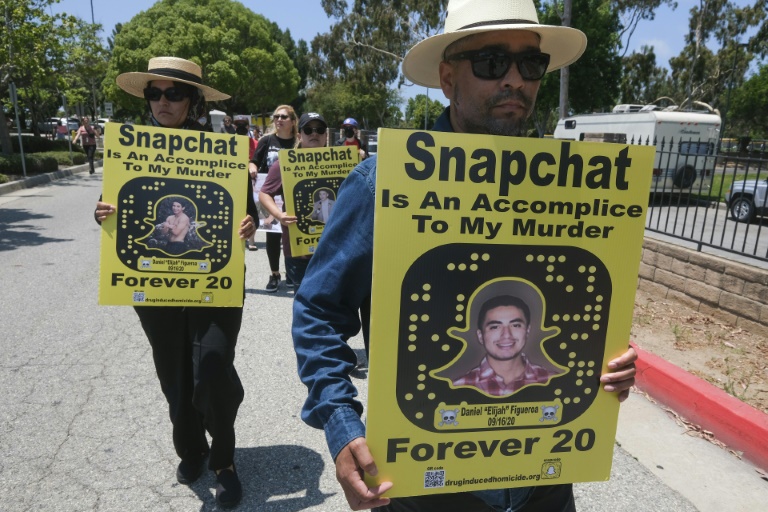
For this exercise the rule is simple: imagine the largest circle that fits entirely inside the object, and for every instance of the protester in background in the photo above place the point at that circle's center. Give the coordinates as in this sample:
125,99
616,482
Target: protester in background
281,135
227,126
489,62
350,137
87,136
313,133
193,348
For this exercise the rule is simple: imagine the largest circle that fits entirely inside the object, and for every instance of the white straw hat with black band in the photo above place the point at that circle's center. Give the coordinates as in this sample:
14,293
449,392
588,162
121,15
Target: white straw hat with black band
466,17
168,68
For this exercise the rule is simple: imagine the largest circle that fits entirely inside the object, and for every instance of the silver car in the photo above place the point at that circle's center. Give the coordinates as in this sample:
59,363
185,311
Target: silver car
747,198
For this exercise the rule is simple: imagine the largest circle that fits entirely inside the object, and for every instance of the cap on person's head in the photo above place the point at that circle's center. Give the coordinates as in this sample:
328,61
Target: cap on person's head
349,122
467,17
241,119
168,68
311,116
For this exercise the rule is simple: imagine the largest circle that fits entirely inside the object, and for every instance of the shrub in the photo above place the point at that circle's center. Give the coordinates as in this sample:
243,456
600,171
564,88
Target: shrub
4,179
41,145
63,159
11,164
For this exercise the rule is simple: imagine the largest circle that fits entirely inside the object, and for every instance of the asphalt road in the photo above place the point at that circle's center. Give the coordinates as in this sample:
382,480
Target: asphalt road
84,426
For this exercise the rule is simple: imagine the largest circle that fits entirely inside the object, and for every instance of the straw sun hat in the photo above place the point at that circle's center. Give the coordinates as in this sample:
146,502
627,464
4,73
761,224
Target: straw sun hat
168,68
466,17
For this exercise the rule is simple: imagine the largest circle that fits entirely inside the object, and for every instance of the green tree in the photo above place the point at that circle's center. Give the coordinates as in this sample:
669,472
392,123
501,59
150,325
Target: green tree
595,77
364,49
632,12
35,60
749,106
419,107
643,81
234,46
702,74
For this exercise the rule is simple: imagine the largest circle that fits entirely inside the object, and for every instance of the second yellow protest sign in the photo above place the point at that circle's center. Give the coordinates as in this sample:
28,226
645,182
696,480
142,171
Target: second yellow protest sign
180,196
311,181
491,326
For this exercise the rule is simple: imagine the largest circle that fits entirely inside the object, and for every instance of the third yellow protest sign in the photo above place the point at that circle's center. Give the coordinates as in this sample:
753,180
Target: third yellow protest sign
491,326
311,180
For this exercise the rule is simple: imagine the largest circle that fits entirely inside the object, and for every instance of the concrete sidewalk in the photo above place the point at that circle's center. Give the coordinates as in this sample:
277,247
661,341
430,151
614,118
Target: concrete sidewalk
41,179
711,478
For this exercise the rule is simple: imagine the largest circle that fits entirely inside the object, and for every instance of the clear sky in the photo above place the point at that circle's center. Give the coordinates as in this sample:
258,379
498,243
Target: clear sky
306,18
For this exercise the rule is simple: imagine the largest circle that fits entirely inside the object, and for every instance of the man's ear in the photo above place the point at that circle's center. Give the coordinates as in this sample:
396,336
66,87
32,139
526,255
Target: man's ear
480,339
446,78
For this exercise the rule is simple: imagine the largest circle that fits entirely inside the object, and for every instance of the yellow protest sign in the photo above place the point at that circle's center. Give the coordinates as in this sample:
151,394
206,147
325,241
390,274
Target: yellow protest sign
504,275
311,180
180,197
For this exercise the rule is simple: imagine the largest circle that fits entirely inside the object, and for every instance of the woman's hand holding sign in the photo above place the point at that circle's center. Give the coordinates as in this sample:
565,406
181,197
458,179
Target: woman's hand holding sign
103,210
247,227
623,375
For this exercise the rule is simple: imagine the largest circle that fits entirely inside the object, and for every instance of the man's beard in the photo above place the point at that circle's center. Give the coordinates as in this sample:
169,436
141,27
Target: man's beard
483,123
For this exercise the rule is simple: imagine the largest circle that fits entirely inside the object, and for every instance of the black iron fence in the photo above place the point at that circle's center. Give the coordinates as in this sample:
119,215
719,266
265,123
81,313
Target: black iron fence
715,200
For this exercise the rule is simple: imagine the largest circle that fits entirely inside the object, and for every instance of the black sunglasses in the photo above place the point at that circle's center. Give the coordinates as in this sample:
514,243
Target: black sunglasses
284,117
308,130
494,64
174,94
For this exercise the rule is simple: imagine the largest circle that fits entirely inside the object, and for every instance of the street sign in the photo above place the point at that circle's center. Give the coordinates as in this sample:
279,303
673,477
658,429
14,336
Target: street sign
108,108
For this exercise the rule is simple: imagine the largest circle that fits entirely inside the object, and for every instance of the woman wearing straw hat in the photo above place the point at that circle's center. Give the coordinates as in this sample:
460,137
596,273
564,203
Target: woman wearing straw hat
193,349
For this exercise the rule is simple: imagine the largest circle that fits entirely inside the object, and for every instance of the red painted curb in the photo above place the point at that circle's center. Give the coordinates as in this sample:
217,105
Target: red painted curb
738,425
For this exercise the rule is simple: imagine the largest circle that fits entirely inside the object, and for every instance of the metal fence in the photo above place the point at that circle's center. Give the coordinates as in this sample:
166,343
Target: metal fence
712,200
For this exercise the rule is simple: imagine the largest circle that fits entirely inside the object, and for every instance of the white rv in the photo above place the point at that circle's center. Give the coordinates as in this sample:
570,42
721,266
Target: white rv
685,141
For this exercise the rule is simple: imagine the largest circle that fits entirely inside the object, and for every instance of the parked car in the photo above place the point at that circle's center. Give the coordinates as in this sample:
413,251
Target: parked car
747,198
100,122
47,126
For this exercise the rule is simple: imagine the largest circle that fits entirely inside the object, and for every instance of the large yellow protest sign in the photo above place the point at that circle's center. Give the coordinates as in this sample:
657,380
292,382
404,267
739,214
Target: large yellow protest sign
311,180
504,275
180,197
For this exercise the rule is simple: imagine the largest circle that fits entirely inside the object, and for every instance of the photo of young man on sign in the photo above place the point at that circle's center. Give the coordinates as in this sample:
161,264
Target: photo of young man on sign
507,337
178,233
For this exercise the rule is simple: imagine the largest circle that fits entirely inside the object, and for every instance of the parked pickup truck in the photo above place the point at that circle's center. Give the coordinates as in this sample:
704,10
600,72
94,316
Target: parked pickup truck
747,199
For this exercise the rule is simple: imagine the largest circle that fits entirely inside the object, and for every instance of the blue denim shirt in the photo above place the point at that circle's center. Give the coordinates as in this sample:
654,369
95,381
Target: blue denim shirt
325,316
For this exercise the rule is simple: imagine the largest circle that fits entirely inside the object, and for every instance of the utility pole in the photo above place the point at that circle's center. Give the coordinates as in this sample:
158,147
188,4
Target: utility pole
565,73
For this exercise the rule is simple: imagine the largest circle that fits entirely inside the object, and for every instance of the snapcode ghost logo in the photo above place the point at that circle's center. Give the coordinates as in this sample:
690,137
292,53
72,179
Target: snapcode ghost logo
574,296
551,469
166,218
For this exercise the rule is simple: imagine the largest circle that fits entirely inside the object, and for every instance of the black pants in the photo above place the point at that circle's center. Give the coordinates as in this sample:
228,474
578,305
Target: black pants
274,241
194,352
548,498
90,151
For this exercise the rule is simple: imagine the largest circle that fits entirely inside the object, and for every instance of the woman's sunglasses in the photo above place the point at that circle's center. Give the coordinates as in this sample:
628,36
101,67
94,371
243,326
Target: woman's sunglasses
284,117
309,130
494,64
174,94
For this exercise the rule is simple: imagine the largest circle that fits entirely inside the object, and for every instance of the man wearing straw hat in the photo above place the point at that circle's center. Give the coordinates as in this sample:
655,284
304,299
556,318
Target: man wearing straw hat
489,62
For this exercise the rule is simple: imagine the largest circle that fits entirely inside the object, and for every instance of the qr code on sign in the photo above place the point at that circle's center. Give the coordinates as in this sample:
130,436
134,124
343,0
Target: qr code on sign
434,479
138,296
